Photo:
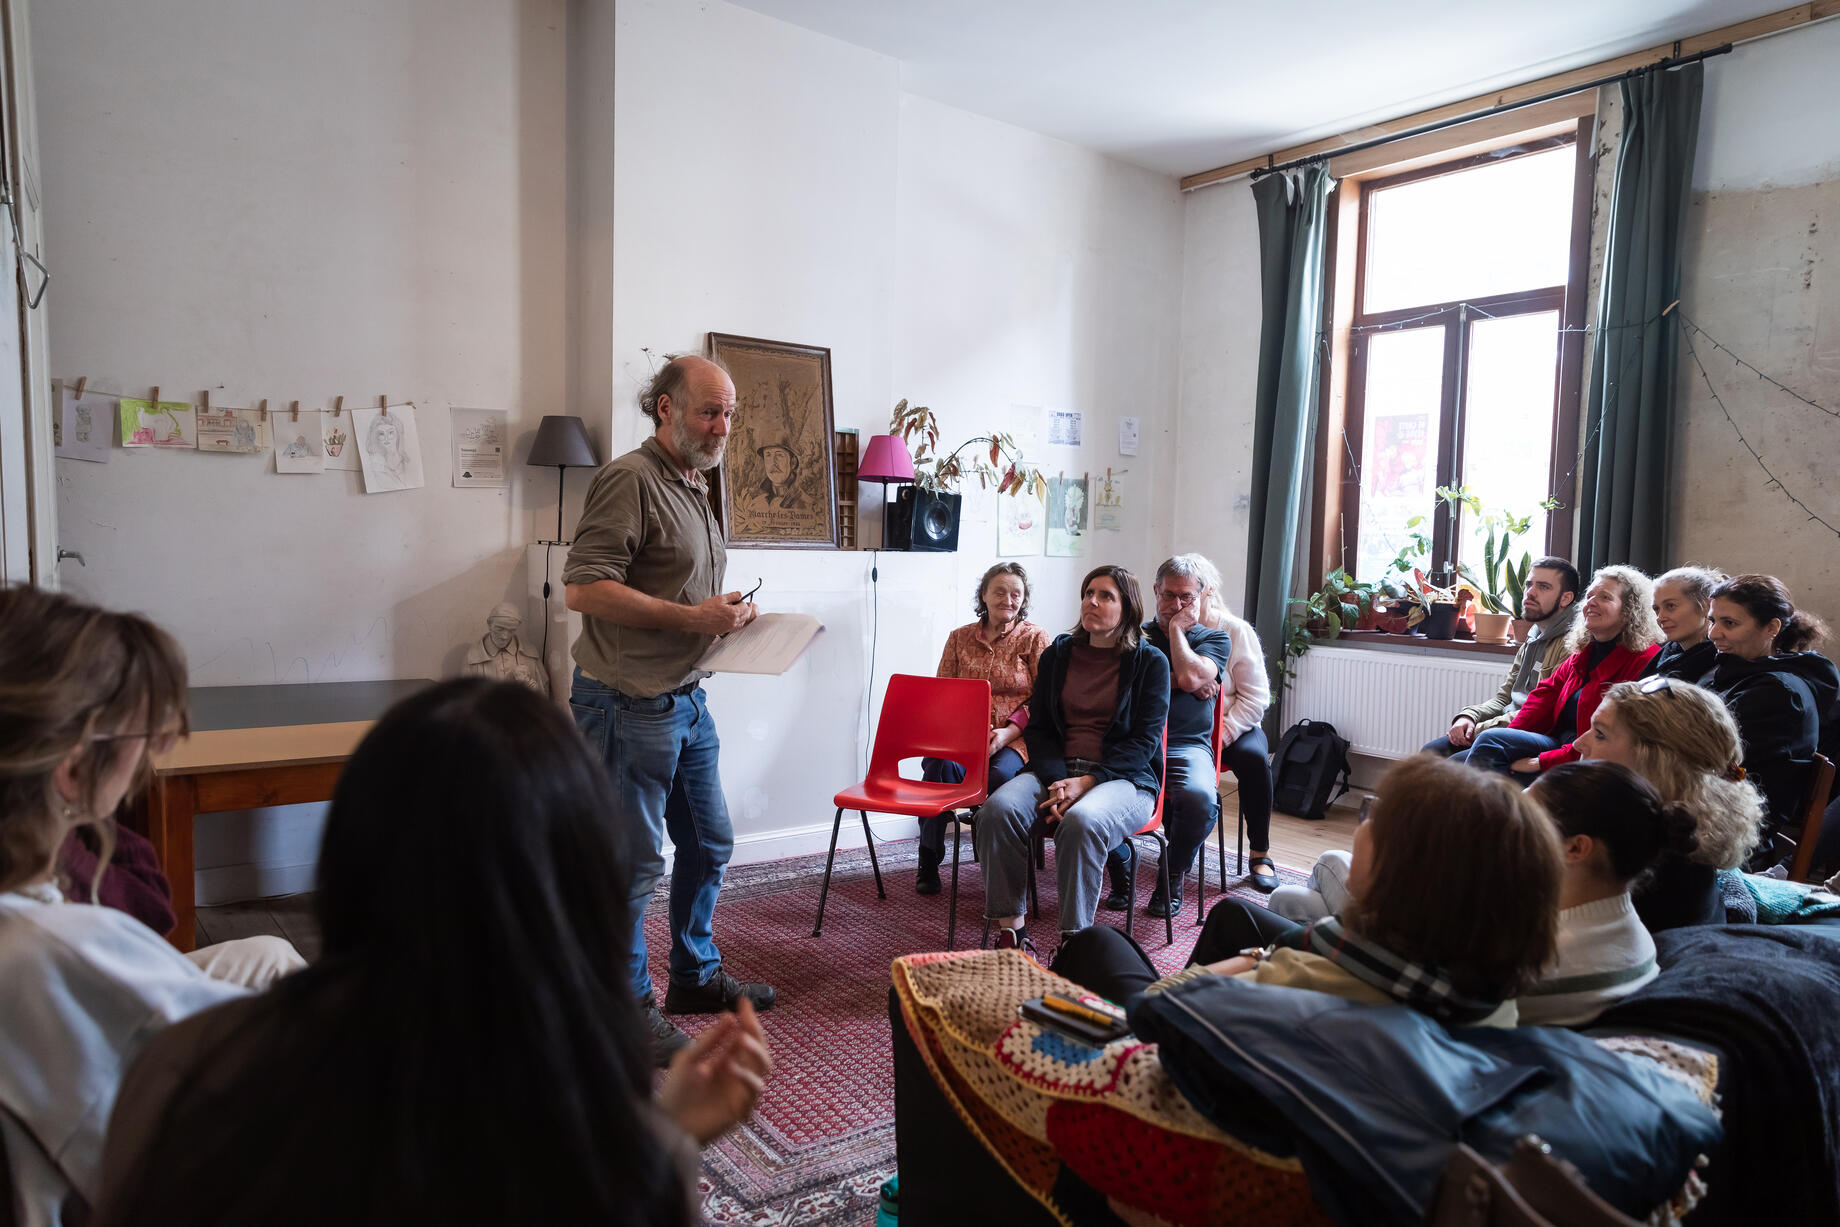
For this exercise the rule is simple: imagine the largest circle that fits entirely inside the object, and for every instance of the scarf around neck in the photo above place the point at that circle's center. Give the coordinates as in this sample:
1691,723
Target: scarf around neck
1424,987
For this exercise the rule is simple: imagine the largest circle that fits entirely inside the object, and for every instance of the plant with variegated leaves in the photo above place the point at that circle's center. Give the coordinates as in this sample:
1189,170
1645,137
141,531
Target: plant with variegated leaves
936,472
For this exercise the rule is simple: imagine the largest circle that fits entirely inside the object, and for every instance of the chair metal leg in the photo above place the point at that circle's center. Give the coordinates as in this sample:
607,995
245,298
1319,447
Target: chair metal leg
825,891
952,907
1162,861
1239,865
984,941
1038,841
869,838
1130,892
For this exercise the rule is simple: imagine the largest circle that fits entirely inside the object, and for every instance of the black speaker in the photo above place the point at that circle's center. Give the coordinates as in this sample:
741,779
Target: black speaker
922,520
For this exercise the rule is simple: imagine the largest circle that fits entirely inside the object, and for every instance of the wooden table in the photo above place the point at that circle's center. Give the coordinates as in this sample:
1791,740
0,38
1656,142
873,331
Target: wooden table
250,747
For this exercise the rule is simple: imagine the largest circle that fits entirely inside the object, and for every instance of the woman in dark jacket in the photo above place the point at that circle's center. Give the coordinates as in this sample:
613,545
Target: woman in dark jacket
1776,689
1683,611
1094,738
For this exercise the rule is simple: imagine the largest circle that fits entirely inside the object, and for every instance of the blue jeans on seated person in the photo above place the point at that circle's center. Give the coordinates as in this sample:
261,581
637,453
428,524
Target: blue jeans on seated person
661,753
1005,764
1091,826
1191,802
1497,750
1441,747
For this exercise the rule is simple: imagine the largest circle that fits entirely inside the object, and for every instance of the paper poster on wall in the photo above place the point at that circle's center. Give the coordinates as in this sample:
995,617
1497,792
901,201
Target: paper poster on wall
1027,425
1066,517
336,444
479,439
232,431
1064,428
1108,503
299,446
171,424
1127,436
389,448
82,426
1021,526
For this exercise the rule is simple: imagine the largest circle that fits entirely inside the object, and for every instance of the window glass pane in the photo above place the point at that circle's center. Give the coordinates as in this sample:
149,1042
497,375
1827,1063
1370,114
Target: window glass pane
1489,230
1399,443
1507,425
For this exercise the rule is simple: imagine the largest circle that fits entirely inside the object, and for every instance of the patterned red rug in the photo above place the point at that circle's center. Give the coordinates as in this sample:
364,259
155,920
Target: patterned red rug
822,1141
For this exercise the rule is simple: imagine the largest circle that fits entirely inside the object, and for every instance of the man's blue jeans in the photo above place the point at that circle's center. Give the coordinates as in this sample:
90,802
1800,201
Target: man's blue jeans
1191,803
1499,749
661,754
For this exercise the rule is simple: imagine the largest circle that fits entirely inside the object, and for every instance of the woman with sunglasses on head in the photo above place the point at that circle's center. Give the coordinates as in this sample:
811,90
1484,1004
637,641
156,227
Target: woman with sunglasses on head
1777,688
1681,739
1095,739
1003,648
1613,827
86,697
468,1048
1454,888
1613,640
1683,612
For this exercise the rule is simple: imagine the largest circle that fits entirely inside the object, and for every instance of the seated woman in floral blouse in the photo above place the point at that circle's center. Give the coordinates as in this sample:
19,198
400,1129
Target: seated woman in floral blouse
1002,647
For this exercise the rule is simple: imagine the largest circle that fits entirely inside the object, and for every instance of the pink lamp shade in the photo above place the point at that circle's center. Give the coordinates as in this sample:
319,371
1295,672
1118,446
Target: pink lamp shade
886,459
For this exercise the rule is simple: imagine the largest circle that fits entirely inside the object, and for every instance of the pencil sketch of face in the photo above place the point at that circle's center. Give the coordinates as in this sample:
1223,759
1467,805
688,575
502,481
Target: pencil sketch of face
384,443
779,465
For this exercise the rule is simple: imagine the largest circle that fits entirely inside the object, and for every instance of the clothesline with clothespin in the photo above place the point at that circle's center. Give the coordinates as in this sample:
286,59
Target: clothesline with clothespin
80,389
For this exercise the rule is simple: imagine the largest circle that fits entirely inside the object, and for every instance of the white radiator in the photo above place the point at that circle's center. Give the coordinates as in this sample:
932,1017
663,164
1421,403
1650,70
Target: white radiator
1389,701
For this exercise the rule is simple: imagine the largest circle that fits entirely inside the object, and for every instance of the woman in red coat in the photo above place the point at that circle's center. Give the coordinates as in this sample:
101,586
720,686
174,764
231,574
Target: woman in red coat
1612,641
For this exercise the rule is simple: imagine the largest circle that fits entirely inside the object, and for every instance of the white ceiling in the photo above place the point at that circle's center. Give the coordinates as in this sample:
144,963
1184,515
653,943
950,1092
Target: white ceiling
1182,86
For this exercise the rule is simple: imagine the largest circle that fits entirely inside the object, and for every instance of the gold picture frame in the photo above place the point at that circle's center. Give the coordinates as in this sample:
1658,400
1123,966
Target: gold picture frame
777,484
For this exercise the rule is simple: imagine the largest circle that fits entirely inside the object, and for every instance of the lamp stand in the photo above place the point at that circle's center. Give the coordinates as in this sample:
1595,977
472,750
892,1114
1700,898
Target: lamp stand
561,475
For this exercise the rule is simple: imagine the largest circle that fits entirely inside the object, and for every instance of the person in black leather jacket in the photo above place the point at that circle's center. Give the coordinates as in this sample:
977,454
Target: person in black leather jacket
1777,689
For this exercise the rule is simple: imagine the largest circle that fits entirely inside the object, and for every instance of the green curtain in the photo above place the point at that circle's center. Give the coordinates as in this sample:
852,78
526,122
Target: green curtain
1293,208
1629,414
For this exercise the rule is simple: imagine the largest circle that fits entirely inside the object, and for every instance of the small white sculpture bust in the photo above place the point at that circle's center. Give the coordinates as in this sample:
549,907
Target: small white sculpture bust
499,655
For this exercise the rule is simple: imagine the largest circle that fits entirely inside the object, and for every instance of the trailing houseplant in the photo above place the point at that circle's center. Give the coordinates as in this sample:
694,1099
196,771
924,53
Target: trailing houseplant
942,472
1343,603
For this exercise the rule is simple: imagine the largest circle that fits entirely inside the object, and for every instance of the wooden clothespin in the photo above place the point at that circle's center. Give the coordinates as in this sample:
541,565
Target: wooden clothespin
338,405
207,400
383,404
264,409
82,382
294,411
156,396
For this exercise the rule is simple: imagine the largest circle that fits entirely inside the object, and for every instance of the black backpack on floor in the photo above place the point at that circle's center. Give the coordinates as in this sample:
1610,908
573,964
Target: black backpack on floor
1310,756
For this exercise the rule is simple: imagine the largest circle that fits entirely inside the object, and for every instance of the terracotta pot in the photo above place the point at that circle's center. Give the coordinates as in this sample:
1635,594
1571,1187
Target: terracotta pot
1520,628
1492,627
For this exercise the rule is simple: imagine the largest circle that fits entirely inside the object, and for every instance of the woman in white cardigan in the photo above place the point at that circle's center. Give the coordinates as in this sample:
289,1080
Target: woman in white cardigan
86,697
1245,752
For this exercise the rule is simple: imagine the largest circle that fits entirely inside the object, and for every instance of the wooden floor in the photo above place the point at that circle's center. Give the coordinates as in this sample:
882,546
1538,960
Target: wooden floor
1295,844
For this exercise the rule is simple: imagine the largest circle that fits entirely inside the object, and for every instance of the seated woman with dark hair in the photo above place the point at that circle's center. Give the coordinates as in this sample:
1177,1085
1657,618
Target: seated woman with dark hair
1612,641
1095,738
1680,738
1454,885
1613,826
1003,648
1777,688
1683,612
468,1049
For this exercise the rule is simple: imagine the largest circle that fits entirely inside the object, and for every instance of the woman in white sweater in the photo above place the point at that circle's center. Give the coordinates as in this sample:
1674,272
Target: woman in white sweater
1246,753
1614,826
86,697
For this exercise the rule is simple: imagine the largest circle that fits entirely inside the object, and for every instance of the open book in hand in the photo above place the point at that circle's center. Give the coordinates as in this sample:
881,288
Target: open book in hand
771,643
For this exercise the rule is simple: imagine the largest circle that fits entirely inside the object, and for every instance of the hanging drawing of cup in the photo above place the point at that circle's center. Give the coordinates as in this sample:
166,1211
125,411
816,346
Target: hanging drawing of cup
335,441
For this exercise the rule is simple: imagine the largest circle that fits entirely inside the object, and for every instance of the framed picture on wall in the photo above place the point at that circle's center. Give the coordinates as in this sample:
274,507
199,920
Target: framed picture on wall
778,482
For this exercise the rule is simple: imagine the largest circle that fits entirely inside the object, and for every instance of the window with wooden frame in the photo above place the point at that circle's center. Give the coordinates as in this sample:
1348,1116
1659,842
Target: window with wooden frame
1458,327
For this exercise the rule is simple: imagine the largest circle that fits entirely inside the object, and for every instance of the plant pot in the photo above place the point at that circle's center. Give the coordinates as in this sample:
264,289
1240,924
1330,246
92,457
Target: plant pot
1520,628
1441,622
1492,627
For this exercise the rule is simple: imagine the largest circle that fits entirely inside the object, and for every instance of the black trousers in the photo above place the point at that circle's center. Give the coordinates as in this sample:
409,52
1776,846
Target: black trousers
1102,960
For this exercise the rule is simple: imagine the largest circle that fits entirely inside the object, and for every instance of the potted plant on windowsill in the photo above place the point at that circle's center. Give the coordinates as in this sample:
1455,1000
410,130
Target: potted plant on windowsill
1503,580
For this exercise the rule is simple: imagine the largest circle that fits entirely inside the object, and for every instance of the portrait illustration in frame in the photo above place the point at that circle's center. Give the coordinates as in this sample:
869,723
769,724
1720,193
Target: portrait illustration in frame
777,486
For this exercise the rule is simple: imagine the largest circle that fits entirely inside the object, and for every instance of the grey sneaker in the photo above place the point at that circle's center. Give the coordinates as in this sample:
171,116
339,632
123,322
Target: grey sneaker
715,995
667,1040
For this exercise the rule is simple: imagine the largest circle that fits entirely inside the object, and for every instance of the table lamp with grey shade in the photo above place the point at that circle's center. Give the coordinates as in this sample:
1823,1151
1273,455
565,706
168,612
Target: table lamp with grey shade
562,441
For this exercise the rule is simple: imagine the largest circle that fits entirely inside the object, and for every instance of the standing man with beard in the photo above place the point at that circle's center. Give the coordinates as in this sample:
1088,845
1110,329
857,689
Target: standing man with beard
645,573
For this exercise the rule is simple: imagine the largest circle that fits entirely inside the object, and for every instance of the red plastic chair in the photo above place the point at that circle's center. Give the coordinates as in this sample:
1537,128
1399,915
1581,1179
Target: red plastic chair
1038,840
922,717
1220,826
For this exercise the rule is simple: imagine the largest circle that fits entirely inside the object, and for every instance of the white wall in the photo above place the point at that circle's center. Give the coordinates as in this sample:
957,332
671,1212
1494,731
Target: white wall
796,193
290,201
1762,249
1220,378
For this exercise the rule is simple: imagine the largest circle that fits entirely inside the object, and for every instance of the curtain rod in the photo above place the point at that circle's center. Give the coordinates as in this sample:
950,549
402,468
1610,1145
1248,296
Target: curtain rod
1641,70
